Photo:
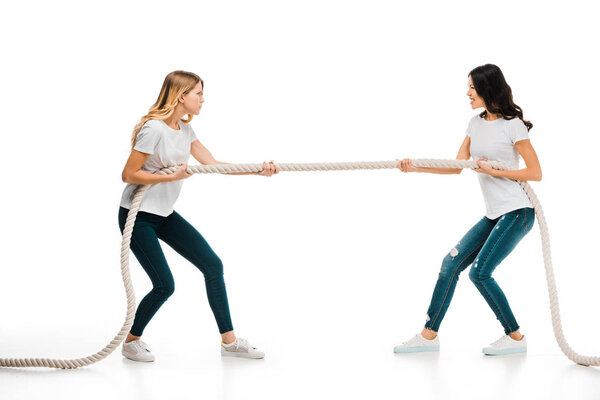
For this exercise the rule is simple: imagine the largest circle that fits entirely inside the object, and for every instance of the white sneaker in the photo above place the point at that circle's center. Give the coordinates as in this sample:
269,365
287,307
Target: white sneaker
137,350
506,345
240,348
418,344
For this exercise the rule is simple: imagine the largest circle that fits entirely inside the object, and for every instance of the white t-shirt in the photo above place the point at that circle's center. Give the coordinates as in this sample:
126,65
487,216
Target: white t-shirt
495,140
166,147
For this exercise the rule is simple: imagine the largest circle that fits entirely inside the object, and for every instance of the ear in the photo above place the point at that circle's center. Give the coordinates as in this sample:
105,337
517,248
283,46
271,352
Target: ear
181,99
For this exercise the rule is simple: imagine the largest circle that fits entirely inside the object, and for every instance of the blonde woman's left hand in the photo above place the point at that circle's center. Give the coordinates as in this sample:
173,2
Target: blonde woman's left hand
484,168
269,169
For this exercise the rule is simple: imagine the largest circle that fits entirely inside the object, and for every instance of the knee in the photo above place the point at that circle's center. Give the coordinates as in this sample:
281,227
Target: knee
474,274
448,265
477,275
165,290
213,269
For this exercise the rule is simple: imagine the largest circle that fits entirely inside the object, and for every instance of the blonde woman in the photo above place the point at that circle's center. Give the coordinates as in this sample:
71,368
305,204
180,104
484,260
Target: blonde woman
162,138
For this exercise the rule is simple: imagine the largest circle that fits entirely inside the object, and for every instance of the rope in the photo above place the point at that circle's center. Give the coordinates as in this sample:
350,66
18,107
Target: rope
129,292
339,166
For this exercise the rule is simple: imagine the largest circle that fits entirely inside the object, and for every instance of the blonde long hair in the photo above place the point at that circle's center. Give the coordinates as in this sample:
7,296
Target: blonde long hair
176,83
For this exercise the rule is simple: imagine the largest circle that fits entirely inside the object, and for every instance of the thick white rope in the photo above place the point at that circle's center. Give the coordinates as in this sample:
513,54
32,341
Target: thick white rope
131,304
228,168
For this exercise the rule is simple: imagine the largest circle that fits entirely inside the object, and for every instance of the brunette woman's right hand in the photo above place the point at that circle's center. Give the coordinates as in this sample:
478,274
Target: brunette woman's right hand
181,172
406,165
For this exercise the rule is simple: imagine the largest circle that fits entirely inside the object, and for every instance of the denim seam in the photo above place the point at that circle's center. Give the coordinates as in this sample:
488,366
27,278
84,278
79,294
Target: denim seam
528,230
503,321
434,320
524,223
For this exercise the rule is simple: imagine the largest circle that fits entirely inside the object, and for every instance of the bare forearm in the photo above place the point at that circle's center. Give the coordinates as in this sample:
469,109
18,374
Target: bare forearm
444,171
525,174
145,178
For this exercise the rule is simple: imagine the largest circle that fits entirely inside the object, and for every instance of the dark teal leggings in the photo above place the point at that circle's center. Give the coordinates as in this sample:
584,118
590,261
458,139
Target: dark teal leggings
185,240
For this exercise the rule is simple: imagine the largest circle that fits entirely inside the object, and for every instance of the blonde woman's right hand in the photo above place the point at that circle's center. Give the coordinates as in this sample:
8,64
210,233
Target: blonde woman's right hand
406,165
180,173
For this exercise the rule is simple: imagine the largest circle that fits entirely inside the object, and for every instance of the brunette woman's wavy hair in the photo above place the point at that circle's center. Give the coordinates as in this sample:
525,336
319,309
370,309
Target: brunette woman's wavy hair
176,83
491,86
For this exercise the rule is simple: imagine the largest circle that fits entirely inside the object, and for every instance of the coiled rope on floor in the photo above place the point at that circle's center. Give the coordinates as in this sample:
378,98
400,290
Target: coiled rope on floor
336,166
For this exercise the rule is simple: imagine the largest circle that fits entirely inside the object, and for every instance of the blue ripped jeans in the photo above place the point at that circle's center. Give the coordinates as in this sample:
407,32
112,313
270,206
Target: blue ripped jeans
485,246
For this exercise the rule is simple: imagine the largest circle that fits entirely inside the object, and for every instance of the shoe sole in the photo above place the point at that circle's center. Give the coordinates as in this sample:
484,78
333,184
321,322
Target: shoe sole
503,352
420,349
241,355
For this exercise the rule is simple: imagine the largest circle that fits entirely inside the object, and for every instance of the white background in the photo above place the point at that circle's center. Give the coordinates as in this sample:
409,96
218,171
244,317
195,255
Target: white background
326,271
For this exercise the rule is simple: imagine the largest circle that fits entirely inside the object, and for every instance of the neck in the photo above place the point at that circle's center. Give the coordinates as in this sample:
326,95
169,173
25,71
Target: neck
491,117
173,120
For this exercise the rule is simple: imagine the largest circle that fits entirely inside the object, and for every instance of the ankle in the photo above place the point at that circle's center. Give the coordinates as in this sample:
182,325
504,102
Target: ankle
428,334
516,336
228,337
131,338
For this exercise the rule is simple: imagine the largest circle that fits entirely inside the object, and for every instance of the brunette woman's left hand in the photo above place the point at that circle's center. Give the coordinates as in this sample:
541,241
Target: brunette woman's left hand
484,168
269,169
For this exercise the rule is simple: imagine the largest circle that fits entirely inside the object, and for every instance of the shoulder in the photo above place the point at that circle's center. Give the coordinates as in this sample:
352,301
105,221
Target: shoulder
152,131
153,124
475,120
515,123
154,128
474,123
515,127
515,130
187,128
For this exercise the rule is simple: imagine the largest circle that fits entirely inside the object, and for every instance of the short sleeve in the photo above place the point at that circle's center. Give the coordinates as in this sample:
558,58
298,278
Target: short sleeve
192,134
516,130
147,139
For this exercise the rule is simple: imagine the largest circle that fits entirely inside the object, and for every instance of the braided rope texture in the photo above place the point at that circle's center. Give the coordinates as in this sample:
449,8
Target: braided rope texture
297,167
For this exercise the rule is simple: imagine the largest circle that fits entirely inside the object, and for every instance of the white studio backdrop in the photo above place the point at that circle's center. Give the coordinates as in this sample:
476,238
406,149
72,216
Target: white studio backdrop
312,257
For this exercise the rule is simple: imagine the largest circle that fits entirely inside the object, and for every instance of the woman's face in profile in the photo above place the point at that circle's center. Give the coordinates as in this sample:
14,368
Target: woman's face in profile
192,102
476,101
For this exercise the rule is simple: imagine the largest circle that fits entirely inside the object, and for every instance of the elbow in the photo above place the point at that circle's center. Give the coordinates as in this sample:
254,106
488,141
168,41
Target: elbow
125,177
535,178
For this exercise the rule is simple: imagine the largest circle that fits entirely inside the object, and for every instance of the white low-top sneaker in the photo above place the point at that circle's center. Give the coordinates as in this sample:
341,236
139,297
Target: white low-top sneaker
506,345
418,344
137,350
240,348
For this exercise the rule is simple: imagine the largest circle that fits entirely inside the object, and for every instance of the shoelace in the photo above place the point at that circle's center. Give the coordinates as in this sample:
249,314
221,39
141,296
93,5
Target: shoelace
502,339
245,344
416,337
143,346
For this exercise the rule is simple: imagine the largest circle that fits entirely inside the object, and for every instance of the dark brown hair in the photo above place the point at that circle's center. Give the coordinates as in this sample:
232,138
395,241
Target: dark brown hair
491,86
